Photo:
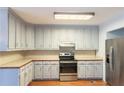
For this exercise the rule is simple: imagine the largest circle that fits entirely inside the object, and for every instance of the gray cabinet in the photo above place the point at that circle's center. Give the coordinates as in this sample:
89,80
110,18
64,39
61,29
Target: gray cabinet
47,38
50,37
38,72
46,70
23,36
29,36
12,31
39,37
90,70
18,33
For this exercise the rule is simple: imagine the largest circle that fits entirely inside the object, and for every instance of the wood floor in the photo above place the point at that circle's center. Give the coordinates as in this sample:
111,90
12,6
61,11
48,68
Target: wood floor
70,83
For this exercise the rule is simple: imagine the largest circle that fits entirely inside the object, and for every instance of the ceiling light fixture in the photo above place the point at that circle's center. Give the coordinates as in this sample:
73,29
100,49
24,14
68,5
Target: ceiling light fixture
73,16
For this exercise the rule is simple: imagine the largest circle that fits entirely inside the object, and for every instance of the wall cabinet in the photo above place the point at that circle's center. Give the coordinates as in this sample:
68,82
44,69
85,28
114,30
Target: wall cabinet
46,70
17,34
90,70
29,36
12,31
39,38
50,37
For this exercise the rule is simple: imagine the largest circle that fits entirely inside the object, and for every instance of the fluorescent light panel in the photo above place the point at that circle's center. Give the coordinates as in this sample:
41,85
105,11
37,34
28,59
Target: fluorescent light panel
73,16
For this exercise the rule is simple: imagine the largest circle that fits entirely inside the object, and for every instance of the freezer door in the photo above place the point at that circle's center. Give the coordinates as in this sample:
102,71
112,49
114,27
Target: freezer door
121,66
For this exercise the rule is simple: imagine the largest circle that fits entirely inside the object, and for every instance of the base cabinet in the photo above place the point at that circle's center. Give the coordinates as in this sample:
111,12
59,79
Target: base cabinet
90,70
26,74
16,76
46,70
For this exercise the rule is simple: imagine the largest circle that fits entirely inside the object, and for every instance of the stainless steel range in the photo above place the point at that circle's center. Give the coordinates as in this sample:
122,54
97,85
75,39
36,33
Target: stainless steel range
68,65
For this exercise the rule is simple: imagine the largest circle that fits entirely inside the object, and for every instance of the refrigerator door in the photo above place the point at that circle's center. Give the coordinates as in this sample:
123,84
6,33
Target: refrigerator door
113,61
121,52
109,72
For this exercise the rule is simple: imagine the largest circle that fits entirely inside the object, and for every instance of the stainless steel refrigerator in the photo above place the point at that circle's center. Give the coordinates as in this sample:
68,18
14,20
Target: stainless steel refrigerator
115,61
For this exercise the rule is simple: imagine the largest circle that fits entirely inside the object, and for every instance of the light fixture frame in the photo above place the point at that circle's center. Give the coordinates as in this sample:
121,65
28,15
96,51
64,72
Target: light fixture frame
73,13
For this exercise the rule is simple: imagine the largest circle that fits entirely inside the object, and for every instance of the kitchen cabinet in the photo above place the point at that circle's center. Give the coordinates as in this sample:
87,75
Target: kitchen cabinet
55,71
18,33
23,36
47,38
81,71
12,31
29,36
85,37
55,39
26,74
90,70
38,71
39,37
22,76
16,76
46,70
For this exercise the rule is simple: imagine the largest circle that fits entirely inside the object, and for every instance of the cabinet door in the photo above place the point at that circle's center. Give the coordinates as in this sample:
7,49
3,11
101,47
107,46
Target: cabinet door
29,72
55,39
39,38
98,71
46,71
87,39
23,36
47,38
81,72
22,78
12,31
79,41
30,36
90,71
18,33
38,71
94,38
54,72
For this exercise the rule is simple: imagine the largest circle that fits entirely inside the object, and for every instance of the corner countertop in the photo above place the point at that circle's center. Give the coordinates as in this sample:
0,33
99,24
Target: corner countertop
21,62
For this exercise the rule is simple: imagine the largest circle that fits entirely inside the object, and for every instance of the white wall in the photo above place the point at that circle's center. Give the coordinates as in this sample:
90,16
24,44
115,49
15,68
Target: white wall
113,24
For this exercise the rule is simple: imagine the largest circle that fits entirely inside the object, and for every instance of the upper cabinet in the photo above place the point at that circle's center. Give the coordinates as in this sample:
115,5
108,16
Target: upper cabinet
39,38
16,34
12,31
29,36
50,37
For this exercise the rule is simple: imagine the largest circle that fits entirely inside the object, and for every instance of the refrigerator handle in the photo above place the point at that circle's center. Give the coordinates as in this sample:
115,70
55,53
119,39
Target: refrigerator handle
111,57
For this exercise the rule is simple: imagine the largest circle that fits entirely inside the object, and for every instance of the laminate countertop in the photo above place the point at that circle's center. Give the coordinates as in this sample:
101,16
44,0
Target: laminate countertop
21,62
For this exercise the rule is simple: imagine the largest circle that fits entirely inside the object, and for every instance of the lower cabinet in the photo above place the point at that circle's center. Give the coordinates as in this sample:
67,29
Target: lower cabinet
46,70
26,74
16,76
90,70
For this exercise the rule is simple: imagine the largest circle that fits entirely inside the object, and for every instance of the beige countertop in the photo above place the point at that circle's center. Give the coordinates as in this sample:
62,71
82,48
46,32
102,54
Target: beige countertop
22,62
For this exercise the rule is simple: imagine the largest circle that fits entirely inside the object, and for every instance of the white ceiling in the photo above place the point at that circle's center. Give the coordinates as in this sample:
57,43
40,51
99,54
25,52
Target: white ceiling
44,15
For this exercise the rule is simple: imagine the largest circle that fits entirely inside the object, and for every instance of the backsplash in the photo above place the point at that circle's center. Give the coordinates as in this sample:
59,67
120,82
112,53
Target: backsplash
6,57
10,56
55,53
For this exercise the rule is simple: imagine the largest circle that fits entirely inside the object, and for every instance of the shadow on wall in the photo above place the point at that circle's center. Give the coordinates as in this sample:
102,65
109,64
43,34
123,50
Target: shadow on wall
115,34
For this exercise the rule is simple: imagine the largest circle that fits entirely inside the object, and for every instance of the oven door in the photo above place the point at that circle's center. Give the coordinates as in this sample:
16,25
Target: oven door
66,68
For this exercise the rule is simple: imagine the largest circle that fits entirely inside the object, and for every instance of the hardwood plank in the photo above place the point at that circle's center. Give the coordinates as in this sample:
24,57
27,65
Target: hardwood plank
69,83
